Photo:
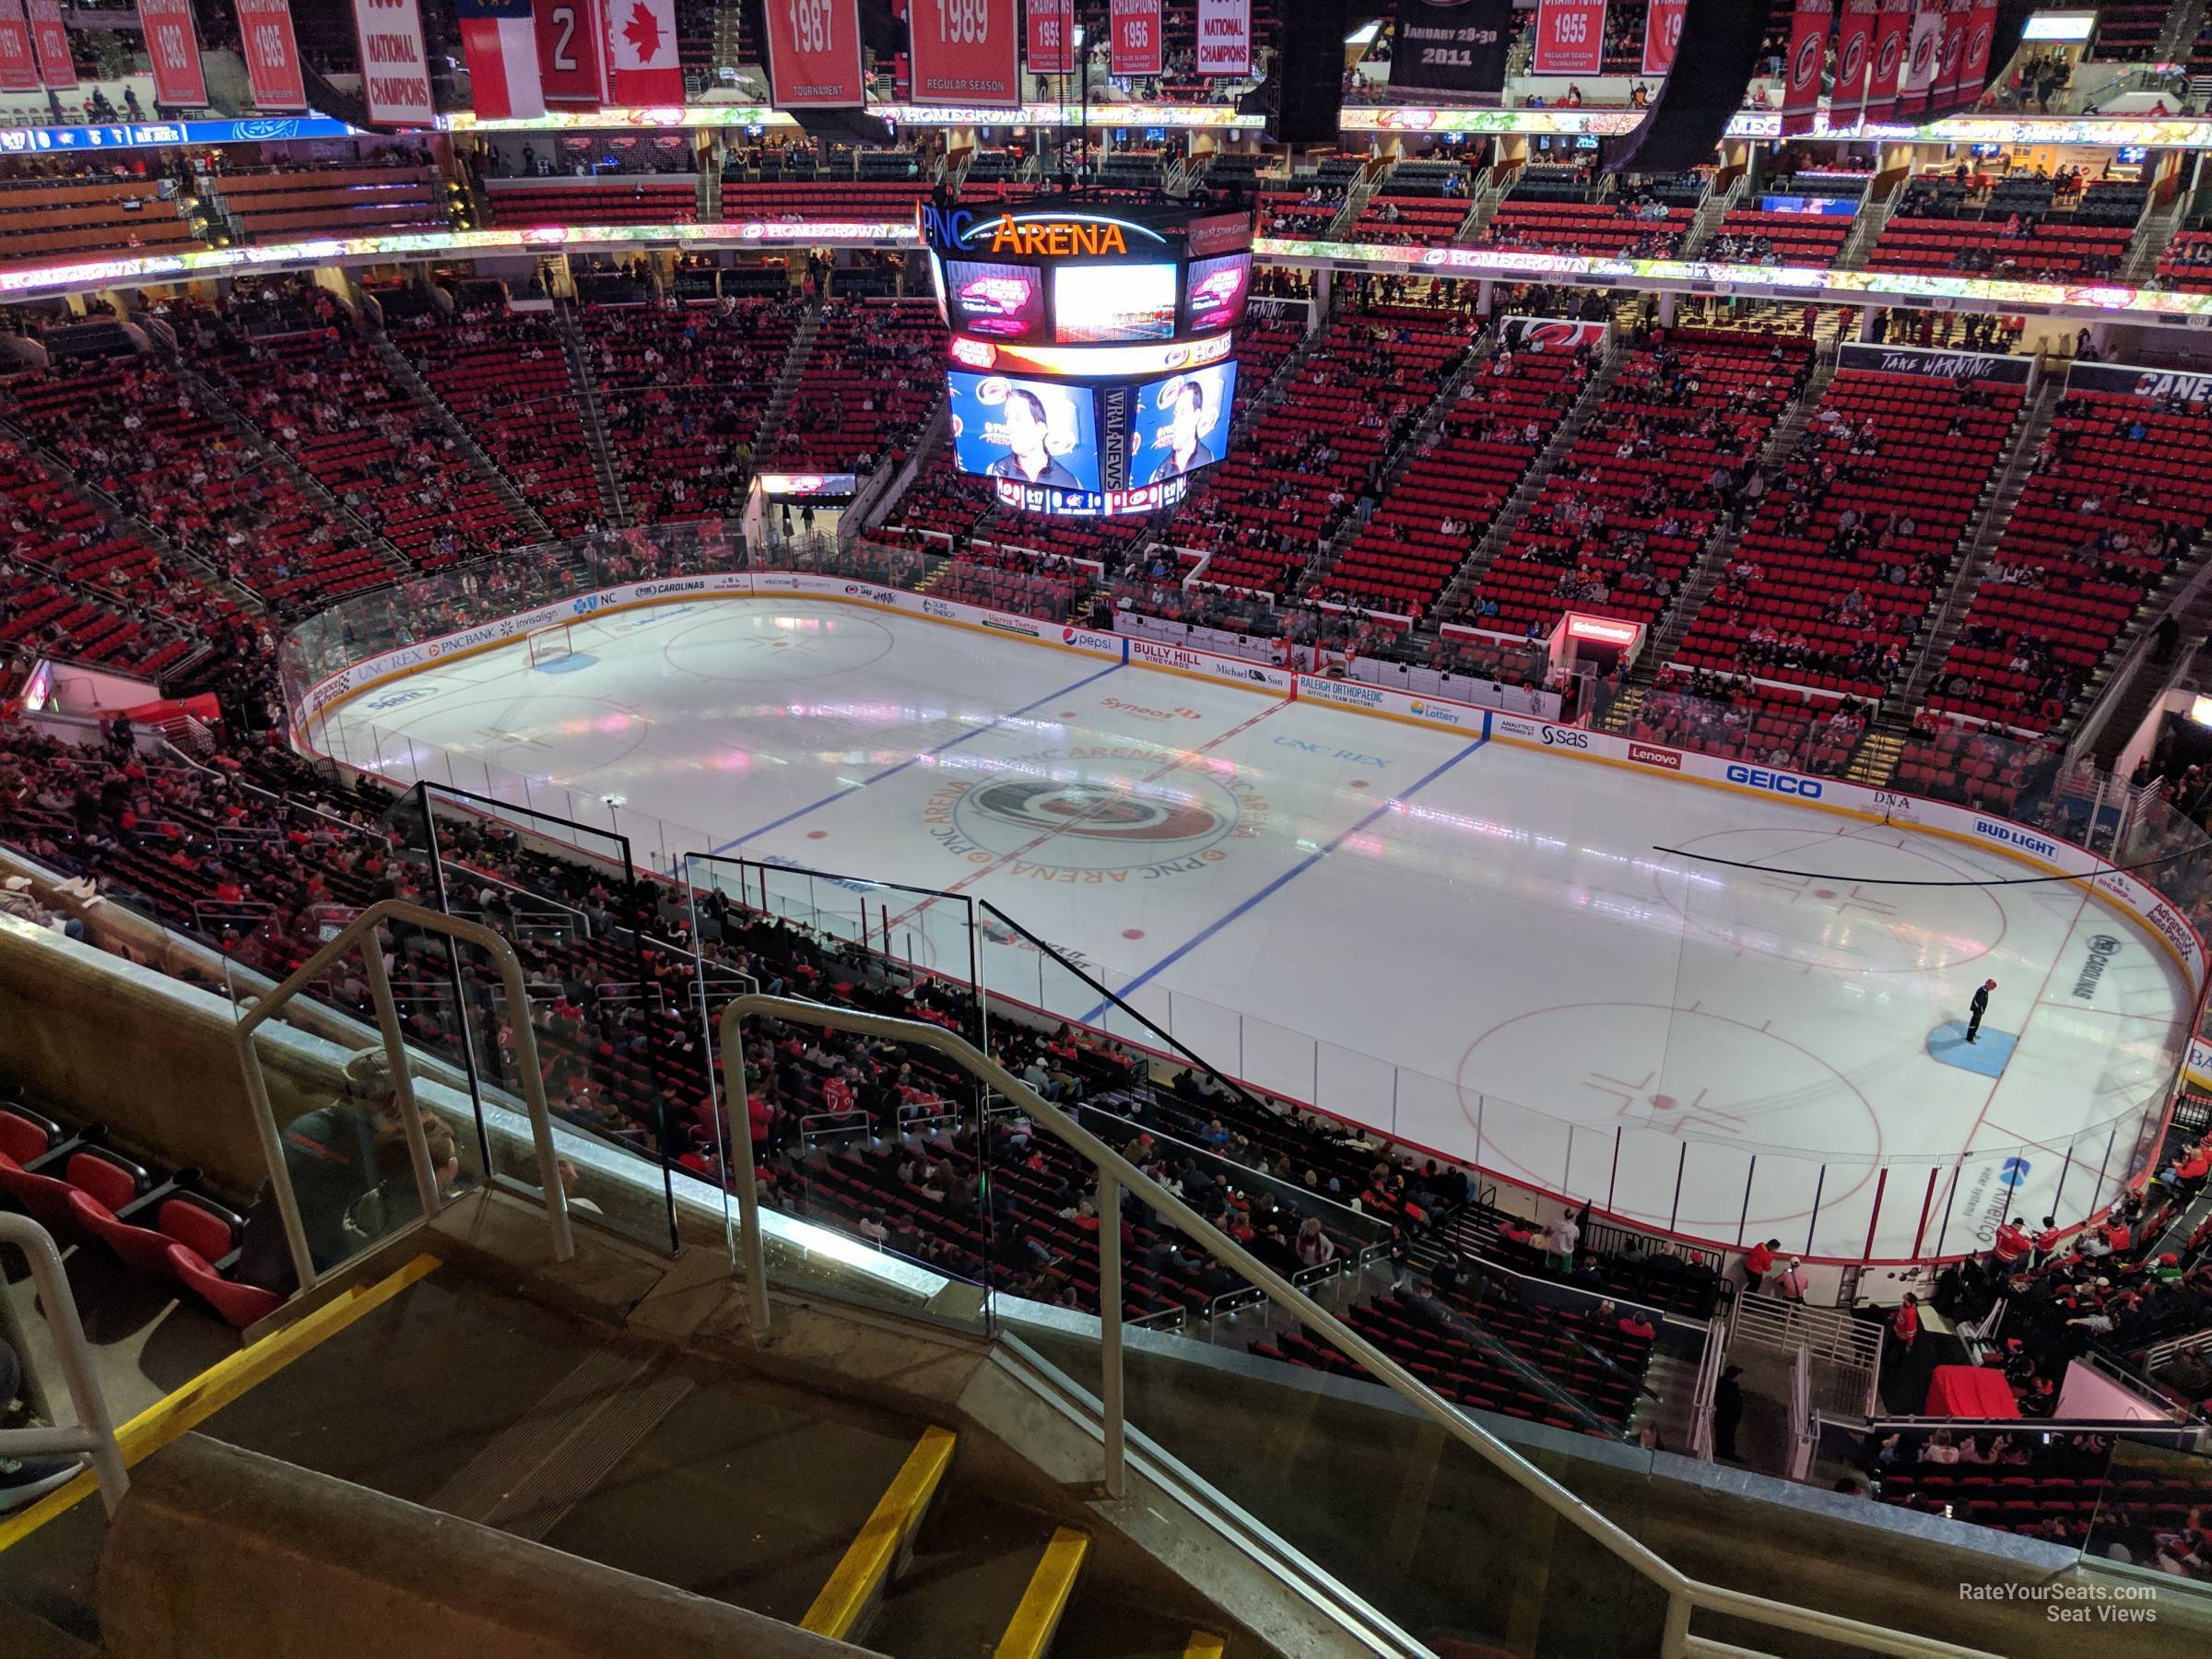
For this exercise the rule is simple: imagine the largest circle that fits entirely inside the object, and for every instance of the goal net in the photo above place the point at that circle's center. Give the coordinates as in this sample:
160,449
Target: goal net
550,644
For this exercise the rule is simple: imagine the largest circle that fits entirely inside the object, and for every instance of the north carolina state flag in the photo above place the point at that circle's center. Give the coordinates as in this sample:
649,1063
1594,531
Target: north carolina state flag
1854,61
1808,53
501,43
571,53
1886,73
640,53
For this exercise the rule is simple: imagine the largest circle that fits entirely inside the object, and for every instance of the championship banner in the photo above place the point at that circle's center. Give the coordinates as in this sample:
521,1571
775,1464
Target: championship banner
1661,34
272,52
1920,53
174,48
396,66
1052,41
1136,37
500,45
814,54
642,67
1808,52
1451,49
1950,51
1225,37
572,62
965,51
50,43
18,63
1885,73
1570,37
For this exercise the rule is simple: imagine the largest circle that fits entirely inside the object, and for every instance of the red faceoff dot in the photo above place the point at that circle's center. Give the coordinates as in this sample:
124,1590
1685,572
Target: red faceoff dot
816,834
1132,933
1359,782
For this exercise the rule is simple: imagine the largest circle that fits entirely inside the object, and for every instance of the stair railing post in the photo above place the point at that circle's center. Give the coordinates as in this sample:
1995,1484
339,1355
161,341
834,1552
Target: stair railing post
1110,1330
751,1252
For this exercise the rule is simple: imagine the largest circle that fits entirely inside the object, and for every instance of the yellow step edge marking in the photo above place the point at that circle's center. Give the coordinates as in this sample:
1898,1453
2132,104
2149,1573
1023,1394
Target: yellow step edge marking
217,1386
1030,1632
1204,1644
875,1550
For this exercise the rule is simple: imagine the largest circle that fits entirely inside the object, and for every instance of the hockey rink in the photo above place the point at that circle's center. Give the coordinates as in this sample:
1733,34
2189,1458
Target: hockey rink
1481,949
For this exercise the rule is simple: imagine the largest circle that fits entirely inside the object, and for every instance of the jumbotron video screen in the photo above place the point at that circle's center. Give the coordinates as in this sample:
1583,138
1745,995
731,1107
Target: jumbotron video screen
1090,368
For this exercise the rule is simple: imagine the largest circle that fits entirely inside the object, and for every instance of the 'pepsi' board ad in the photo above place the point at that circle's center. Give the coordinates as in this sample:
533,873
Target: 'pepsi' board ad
1030,431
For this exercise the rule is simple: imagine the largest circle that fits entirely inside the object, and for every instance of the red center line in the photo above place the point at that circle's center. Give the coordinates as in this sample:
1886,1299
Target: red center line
1000,863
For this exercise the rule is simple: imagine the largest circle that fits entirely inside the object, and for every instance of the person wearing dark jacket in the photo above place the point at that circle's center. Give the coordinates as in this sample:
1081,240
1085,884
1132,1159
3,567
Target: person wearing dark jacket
1977,1008
1727,1413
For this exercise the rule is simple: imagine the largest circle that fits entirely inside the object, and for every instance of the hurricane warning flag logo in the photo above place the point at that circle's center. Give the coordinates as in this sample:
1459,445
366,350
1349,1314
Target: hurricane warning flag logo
1092,811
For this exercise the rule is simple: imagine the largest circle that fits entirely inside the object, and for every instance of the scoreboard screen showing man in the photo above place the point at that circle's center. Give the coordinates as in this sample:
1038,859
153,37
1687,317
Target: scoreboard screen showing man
1090,344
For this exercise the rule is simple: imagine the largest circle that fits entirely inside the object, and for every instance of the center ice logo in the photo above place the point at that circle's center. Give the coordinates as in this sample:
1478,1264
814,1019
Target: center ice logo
1094,813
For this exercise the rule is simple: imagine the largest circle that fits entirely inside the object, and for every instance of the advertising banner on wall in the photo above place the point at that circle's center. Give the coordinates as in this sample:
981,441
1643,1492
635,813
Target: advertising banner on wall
264,27
814,54
965,51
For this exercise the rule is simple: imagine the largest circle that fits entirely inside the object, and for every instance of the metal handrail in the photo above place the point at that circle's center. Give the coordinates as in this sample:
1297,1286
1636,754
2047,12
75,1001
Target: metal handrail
1684,1594
94,1435
363,929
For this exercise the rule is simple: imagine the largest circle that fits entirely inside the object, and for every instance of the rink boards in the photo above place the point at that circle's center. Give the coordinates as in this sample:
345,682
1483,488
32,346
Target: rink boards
2032,847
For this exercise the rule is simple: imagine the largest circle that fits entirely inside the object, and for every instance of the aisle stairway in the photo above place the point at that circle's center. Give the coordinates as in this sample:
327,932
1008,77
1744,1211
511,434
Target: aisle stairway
851,1523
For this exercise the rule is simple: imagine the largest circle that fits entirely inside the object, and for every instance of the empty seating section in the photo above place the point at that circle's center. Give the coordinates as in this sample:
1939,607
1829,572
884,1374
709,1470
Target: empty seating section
1440,507
327,400
2115,504
505,380
1043,586
841,201
1298,472
1836,570
78,589
682,393
1628,511
615,201
135,431
166,1230
1609,229
63,220
872,373
339,201
2128,30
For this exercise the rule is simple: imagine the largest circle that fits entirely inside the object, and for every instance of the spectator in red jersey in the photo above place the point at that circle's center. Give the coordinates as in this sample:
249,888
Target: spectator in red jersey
1904,1325
2010,1245
1759,1261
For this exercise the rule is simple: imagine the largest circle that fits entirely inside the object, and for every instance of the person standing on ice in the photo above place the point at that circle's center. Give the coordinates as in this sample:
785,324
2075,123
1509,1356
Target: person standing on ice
1978,1007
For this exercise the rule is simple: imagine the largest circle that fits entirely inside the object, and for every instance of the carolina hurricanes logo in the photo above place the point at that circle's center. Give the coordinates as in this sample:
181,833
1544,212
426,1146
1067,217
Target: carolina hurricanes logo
1923,55
1109,812
1978,53
1853,59
1540,335
1886,58
1807,69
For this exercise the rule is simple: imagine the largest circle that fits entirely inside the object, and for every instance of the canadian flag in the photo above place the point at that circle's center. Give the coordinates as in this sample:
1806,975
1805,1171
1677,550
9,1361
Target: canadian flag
640,53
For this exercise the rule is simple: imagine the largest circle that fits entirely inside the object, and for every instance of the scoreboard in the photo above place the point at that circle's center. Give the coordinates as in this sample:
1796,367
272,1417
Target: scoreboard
1091,370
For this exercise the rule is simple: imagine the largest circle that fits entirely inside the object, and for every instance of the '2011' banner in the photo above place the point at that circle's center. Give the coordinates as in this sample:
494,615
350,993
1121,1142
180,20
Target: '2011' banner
965,51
